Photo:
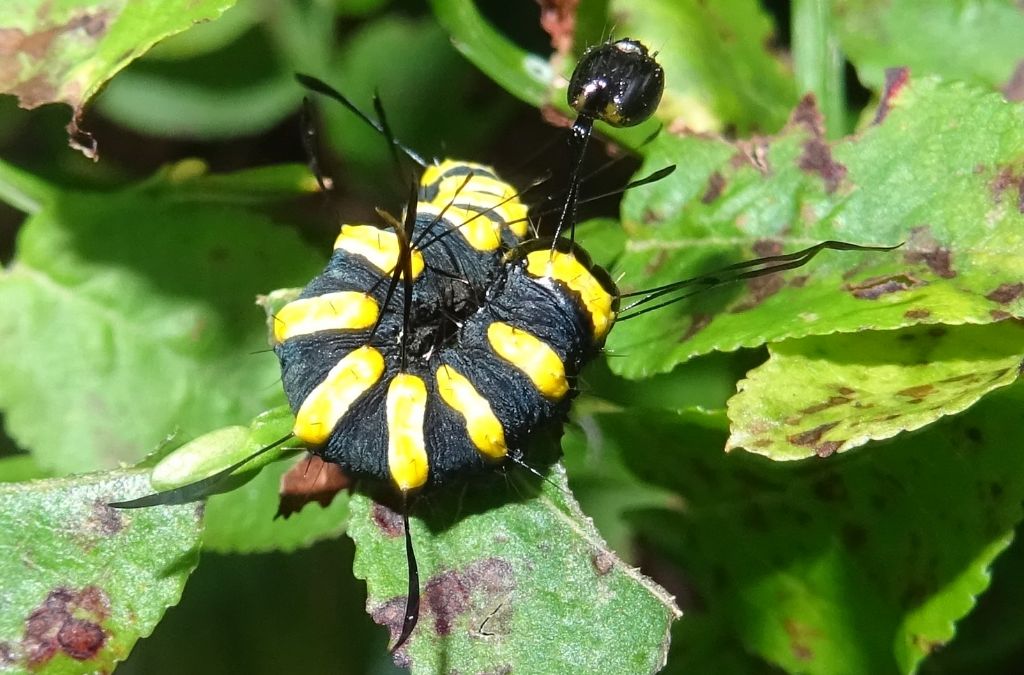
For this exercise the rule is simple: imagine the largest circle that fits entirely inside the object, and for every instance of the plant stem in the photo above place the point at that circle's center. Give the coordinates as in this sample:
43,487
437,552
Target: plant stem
818,62
22,190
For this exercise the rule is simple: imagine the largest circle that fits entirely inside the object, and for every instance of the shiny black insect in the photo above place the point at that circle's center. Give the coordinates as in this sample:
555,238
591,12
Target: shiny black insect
617,82
438,345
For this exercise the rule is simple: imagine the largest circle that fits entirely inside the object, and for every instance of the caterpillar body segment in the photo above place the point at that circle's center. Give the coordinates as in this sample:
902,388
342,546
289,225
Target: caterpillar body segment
346,312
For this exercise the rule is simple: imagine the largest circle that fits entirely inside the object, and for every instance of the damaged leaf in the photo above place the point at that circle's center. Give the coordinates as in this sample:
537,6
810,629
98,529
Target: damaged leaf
510,585
823,395
63,52
918,34
847,565
950,191
83,581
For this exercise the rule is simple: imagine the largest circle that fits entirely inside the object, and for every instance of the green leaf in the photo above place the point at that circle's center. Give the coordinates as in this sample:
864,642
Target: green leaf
191,86
530,77
83,581
454,122
298,612
818,64
845,565
720,72
242,516
829,394
938,174
918,34
19,468
989,638
263,442
135,316
519,72
242,521
65,51
525,585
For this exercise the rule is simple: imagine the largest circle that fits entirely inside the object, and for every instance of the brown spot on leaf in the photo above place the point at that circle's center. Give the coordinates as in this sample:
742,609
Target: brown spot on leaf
918,392
7,656
767,247
817,158
558,19
811,436
105,520
698,322
895,80
17,47
798,635
81,639
875,287
999,315
35,91
389,522
482,584
67,621
846,391
827,448
716,184
603,562
1014,89
760,289
807,115
446,596
390,615
1008,178
923,247
754,153
817,154
830,403
1006,293
310,479
917,314
798,281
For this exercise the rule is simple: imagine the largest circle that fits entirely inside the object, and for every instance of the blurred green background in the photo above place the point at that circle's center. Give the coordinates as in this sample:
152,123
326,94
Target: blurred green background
224,92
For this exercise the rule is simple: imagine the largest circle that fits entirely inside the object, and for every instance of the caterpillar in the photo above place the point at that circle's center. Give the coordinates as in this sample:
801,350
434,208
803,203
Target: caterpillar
437,346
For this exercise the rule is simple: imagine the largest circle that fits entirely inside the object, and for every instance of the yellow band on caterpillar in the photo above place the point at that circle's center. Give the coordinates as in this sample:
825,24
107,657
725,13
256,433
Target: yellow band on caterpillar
344,310
509,213
564,267
407,449
480,230
437,175
331,400
482,189
533,357
380,247
482,426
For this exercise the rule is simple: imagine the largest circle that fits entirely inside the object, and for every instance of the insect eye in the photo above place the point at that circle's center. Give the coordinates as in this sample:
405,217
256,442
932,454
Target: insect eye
618,82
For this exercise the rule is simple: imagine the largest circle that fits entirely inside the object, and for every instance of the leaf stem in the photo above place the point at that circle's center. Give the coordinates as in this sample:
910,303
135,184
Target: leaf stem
22,190
520,73
818,61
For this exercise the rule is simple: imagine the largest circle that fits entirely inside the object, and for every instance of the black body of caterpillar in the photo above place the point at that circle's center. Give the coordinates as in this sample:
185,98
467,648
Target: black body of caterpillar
484,343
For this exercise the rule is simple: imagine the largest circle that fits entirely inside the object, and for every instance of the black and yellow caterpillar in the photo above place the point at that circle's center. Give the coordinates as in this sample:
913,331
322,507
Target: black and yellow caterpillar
487,345
440,345
499,331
